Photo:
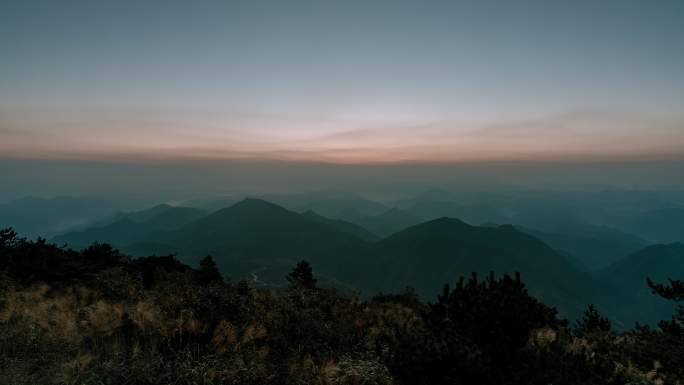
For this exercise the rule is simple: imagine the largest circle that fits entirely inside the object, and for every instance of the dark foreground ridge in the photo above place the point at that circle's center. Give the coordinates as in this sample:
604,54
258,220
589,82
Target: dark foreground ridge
99,317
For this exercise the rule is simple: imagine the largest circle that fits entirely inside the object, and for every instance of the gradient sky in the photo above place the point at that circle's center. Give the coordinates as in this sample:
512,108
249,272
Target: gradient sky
344,81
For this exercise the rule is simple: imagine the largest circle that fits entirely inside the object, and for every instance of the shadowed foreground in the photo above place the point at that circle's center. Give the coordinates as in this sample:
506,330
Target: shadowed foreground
99,317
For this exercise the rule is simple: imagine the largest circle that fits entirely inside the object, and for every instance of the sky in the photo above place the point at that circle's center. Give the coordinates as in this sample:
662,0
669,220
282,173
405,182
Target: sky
342,82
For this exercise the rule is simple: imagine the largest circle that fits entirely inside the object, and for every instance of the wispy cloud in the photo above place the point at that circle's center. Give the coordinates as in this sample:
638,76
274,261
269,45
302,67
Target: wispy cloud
213,135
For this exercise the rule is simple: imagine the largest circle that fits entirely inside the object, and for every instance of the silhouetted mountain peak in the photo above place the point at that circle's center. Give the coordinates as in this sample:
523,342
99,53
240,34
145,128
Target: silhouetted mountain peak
341,225
252,212
251,206
446,221
161,207
311,214
249,211
457,229
255,204
652,254
653,251
654,260
145,215
446,247
444,227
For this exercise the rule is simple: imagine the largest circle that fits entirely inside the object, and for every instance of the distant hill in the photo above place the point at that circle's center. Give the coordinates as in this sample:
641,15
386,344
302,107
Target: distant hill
152,212
335,205
212,203
135,227
331,204
474,214
389,222
595,251
658,262
596,246
254,233
427,255
344,226
560,221
173,218
662,225
34,216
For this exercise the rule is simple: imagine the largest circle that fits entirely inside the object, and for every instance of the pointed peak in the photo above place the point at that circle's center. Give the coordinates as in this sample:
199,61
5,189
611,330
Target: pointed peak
161,206
447,221
311,214
255,204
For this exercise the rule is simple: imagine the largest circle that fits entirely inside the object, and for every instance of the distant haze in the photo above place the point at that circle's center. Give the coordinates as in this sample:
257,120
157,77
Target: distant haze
166,180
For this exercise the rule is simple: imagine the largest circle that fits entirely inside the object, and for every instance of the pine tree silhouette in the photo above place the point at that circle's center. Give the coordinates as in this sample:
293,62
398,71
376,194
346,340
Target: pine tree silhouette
208,271
302,276
591,322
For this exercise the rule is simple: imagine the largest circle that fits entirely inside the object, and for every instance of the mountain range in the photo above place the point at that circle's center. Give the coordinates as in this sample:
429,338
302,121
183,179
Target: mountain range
255,237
